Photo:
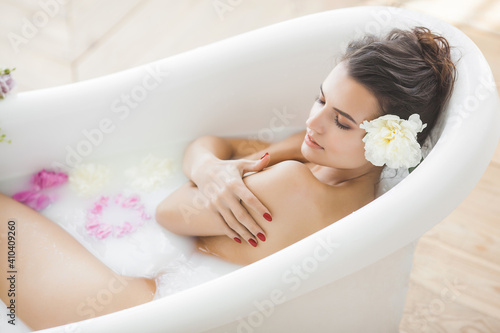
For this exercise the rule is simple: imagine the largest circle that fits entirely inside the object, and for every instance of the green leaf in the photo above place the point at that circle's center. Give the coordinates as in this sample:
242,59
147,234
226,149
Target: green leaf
410,170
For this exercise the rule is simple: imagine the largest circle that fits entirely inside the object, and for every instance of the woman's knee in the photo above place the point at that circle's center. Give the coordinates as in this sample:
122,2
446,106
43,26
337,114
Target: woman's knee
135,291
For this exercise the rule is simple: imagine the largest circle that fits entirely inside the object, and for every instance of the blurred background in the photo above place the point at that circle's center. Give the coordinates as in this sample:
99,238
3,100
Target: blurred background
455,281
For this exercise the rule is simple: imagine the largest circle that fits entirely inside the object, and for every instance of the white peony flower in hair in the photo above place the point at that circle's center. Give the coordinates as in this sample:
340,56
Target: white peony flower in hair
392,141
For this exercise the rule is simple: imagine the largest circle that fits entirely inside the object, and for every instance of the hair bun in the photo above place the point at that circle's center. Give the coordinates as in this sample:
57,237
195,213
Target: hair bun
408,71
436,52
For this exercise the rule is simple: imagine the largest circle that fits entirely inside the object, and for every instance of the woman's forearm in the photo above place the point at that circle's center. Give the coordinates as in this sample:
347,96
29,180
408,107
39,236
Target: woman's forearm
207,147
203,149
206,159
287,149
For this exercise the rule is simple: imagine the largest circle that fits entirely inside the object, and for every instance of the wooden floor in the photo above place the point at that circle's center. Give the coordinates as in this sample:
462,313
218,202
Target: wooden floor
455,281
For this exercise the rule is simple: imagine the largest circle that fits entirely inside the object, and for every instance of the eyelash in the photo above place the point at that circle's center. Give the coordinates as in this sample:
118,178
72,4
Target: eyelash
319,100
339,125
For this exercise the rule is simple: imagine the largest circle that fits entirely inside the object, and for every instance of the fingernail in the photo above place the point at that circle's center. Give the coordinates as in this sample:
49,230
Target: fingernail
268,217
261,236
237,240
253,242
264,155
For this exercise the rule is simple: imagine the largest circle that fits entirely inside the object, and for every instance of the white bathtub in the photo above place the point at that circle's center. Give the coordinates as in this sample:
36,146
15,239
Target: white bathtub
349,277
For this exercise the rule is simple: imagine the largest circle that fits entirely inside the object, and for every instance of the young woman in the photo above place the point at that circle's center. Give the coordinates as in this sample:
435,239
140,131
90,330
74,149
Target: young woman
375,108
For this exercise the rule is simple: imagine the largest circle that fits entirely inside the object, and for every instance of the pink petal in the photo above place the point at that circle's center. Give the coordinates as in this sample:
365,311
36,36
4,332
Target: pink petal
24,196
46,179
42,202
33,199
127,226
104,200
120,232
129,202
104,231
97,210
92,224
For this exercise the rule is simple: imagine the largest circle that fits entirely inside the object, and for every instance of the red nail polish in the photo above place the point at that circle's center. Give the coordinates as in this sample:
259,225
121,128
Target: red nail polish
261,236
268,217
237,240
264,155
254,243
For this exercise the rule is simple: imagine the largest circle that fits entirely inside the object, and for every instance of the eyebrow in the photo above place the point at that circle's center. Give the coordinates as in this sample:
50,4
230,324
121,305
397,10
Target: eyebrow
344,114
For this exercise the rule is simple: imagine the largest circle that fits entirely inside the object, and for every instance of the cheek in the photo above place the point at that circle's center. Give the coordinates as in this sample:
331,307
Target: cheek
358,147
348,145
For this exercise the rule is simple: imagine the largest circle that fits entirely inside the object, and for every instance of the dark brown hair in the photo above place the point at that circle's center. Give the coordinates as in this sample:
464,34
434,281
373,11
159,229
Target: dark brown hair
409,71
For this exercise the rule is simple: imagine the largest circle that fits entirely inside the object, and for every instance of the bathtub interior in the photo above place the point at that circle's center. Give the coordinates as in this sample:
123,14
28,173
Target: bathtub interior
150,250
268,78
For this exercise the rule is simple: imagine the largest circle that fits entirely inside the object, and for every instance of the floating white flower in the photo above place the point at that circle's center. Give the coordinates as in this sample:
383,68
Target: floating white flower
88,179
150,174
393,141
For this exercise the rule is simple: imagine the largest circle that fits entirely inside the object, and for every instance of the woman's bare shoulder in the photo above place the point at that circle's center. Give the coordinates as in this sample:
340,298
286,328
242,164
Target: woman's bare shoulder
289,190
298,203
289,176
292,164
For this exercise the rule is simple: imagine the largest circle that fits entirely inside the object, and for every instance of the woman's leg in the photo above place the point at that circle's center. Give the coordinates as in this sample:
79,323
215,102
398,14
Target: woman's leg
56,280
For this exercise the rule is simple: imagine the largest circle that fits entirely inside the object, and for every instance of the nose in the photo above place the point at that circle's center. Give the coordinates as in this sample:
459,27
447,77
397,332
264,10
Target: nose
315,121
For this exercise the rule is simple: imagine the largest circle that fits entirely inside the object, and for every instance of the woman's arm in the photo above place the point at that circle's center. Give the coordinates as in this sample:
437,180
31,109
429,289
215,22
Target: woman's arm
288,188
220,189
287,149
297,200
206,148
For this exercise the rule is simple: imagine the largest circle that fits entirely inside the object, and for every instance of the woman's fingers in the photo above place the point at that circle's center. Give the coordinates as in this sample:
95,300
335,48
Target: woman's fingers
258,165
245,194
237,218
252,201
239,228
234,229
242,193
227,191
243,217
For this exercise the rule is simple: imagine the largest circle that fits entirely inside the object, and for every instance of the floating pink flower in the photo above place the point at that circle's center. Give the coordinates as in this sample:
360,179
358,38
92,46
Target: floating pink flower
104,200
124,229
47,179
130,202
92,224
97,209
34,197
101,230
145,216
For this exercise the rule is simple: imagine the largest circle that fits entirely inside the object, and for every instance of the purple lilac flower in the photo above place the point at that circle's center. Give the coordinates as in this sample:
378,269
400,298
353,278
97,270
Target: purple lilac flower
7,83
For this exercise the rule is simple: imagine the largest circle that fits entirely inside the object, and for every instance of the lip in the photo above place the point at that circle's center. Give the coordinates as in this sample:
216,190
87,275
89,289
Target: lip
309,141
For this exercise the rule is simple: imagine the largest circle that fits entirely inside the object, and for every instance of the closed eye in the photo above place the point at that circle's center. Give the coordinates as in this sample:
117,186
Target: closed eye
318,100
339,125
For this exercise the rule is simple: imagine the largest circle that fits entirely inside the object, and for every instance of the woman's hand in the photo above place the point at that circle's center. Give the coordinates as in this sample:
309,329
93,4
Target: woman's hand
222,186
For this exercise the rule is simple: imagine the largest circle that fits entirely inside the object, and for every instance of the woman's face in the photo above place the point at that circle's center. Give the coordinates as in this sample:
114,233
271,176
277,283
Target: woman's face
334,138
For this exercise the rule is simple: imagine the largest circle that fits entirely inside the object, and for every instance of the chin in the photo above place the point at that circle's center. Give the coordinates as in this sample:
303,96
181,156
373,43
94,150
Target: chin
309,155
304,149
